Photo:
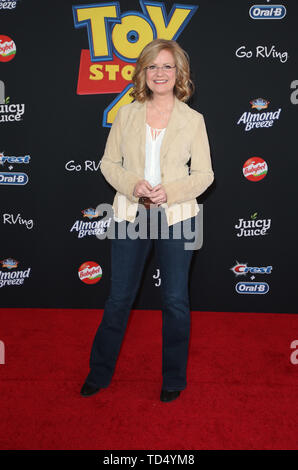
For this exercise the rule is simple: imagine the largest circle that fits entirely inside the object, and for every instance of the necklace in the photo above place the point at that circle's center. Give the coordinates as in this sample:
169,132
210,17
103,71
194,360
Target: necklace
162,113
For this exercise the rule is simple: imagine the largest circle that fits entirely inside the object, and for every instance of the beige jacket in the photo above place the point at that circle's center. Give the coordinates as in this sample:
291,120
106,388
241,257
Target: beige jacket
123,162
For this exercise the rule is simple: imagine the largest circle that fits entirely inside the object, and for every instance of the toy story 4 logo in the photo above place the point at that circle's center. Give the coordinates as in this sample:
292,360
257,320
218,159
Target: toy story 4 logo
116,40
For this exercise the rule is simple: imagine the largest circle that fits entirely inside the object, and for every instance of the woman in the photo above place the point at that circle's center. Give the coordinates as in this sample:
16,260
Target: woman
146,160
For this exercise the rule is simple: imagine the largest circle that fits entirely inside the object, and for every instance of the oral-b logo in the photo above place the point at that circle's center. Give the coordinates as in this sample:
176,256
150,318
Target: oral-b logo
267,12
252,288
16,179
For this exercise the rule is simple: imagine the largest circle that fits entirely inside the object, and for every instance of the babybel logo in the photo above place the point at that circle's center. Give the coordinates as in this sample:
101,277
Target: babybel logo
115,42
90,272
255,169
267,12
7,48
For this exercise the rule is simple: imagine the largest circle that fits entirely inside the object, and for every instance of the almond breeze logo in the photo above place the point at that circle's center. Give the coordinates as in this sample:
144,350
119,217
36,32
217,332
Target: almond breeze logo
8,5
91,227
10,276
267,12
258,119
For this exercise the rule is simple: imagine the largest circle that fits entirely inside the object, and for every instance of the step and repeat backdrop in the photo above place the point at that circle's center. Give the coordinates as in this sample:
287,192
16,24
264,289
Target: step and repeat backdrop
65,69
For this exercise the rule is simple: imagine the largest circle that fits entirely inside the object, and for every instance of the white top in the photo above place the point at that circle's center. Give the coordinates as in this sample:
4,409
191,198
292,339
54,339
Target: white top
154,139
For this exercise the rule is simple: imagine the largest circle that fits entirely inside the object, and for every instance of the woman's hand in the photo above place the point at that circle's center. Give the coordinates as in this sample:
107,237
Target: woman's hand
142,188
158,195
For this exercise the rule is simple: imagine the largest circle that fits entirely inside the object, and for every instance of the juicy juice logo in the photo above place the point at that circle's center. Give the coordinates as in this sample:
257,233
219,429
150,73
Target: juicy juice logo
253,227
115,42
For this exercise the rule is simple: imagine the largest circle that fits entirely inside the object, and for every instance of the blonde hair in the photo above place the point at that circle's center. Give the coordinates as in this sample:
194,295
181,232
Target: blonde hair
184,87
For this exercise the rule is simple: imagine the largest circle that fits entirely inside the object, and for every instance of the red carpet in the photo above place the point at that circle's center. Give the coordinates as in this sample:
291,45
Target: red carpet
241,394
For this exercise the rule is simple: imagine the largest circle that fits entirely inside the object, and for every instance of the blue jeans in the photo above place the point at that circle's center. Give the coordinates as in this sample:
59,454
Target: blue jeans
128,258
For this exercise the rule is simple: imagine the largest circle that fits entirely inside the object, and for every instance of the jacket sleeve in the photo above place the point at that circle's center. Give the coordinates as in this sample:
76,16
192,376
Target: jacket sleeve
201,173
111,165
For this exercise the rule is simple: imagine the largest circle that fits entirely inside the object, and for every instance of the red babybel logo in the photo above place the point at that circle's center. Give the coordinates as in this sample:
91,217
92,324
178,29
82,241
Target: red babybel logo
255,169
7,48
90,272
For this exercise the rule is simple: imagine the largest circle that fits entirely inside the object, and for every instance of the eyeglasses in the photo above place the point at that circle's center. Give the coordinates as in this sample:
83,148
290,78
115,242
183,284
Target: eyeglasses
164,68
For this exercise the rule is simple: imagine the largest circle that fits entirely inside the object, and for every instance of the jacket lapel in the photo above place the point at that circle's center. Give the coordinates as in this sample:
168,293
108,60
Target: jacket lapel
139,124
176,122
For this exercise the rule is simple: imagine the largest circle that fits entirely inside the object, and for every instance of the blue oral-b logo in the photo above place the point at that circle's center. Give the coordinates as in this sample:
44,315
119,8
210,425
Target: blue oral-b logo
252,287
267,12
13,178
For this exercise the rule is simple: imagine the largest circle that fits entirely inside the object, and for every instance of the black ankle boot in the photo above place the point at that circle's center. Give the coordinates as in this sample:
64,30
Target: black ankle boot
169,395
89,390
